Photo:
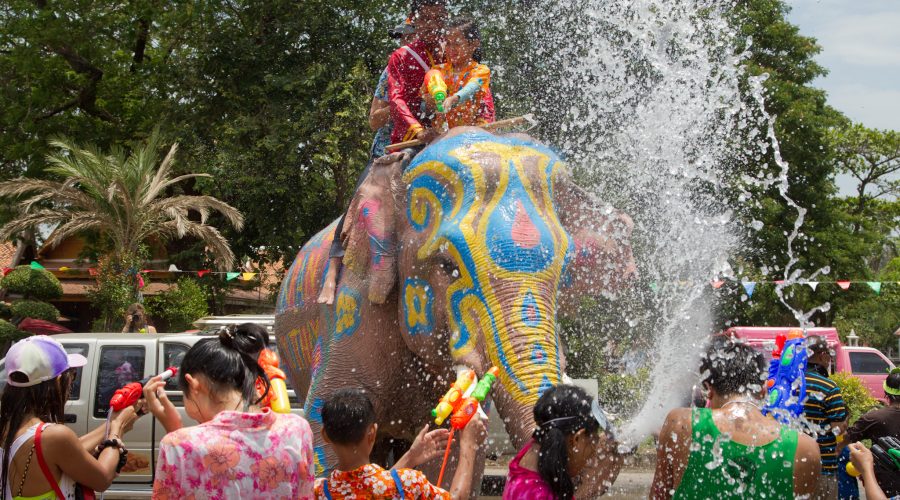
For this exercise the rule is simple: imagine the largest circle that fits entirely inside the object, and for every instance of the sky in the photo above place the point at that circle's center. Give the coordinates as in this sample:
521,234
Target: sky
860,42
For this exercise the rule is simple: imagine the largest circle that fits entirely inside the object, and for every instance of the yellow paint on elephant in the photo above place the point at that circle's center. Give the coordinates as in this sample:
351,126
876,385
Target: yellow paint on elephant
484,315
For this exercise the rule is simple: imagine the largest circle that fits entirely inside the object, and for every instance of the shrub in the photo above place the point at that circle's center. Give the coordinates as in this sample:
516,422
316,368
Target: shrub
855,394
179,306
38,284
34,309
5,311
9,332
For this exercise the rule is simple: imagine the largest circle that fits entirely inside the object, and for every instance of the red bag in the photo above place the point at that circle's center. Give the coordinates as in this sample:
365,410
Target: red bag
81,492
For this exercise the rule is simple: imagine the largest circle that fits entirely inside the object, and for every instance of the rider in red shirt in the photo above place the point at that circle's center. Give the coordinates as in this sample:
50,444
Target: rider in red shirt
407,67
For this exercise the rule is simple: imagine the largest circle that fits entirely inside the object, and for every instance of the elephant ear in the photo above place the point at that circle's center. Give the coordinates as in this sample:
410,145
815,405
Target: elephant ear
602,258
369,235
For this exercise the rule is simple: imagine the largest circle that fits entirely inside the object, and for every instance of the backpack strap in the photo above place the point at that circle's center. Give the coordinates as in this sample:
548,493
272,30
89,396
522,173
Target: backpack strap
398,483
43,463
325,490
409,50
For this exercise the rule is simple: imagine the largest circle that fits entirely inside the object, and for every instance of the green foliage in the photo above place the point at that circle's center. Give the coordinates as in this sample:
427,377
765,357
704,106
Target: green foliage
5,311
38,284
9,332
621,393
855,394
35,310
180,305
115,290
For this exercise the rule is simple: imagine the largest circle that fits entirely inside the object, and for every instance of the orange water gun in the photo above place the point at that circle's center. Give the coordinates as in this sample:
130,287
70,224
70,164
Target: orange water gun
277,398
434,82
454,397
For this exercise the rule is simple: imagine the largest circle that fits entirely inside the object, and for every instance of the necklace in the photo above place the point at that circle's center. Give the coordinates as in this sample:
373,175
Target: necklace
739,401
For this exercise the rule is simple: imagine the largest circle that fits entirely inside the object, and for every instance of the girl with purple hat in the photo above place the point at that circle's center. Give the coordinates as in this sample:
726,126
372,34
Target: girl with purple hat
42,460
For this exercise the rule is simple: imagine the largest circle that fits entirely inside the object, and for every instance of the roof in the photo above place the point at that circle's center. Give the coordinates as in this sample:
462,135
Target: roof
78,289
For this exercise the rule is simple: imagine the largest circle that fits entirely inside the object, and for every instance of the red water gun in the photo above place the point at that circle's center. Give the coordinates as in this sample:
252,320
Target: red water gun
130,393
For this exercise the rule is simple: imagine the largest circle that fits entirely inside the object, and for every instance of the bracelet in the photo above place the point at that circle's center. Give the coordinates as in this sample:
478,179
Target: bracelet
123,452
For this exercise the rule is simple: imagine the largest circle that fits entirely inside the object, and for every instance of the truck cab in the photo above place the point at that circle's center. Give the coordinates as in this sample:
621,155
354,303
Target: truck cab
116,359
867,364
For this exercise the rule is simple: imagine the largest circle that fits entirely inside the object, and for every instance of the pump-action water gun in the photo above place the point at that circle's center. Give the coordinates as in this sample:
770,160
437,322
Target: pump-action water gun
787,372
131,393
470,405
434,82
277,398
453,400
886,451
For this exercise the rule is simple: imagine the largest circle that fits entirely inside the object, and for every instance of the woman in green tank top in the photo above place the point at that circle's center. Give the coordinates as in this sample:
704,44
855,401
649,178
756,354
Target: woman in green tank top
732,450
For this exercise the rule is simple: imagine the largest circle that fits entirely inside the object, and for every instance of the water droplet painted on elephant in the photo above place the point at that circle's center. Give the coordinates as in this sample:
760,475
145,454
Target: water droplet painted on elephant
418,298
531,313
347,308
538,355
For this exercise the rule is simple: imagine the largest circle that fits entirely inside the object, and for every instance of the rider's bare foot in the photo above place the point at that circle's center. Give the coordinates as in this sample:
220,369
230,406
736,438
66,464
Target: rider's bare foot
326,296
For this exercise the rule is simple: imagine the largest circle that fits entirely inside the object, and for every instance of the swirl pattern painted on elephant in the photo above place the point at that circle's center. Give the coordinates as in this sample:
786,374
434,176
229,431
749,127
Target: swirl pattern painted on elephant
486,204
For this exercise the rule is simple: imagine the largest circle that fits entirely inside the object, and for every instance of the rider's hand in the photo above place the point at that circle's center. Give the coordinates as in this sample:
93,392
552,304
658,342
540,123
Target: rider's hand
427,135
451,102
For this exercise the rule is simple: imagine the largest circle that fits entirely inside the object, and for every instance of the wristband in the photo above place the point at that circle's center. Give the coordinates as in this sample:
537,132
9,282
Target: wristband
123,452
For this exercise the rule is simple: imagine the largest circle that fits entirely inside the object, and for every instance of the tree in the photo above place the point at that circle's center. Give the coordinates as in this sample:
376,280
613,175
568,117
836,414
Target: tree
872,157
180,306
123,197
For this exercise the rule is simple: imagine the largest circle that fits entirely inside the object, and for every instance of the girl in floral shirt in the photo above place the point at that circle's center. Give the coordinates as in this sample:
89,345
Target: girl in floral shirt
238,450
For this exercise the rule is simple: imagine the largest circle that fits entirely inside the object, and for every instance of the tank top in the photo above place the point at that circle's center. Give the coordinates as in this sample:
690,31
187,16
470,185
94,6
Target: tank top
66,484
720,468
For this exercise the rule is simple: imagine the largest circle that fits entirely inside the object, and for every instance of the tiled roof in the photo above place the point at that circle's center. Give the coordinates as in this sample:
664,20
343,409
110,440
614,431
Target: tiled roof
7,253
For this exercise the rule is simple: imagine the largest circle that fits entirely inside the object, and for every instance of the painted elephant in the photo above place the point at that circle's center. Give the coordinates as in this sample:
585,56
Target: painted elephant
457,256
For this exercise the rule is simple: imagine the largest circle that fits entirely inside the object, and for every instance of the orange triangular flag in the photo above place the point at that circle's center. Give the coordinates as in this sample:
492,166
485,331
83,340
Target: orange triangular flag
845,285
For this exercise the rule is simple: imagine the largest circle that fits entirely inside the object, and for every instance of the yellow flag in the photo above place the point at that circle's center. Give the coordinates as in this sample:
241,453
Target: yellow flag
248,276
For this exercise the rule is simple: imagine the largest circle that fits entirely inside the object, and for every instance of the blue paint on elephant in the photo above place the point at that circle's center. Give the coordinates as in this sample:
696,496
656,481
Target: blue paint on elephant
538,355
545,384
518,238
531,314
314,411
417,301
347,306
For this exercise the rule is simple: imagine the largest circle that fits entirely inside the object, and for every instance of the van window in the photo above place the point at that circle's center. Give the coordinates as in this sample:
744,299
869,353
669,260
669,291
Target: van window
119,365
868,363
173,353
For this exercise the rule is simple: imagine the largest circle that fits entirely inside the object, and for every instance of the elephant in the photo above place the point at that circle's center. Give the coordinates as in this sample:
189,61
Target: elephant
460,256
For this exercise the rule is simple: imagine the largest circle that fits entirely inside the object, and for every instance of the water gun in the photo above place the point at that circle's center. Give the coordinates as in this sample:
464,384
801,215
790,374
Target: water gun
277,398
787,375
434,82
885,450
132,392
453,400
470,405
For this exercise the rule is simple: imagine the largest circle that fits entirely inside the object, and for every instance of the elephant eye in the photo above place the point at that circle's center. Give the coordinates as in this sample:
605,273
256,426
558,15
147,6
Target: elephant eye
448,267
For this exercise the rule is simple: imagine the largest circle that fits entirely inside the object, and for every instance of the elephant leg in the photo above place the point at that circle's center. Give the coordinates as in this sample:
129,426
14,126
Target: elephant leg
324,459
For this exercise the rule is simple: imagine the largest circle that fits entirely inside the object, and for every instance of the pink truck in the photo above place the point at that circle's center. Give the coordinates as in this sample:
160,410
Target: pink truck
865,363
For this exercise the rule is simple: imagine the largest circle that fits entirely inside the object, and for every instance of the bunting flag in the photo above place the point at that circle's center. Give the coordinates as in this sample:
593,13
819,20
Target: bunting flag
35,265
173,268
875,285
92,271
845,285
717,284
813,284
247,276
203,272
231,275
64,269
654,287
7,270
779,282
749,287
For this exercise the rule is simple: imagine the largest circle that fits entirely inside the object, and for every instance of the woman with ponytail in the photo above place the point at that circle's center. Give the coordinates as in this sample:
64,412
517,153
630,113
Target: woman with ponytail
571,428
238,450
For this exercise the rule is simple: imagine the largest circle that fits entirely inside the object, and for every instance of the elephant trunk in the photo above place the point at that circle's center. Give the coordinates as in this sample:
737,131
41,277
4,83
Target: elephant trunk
526,348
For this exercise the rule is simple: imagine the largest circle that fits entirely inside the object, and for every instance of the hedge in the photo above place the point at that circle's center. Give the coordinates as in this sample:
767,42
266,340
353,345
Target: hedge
38,284
34,309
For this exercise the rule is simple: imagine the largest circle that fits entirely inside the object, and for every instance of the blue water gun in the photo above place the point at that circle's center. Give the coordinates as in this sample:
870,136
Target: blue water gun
787,377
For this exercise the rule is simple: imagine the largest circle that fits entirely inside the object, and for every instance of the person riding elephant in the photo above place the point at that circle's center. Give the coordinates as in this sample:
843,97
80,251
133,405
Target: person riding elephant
461,256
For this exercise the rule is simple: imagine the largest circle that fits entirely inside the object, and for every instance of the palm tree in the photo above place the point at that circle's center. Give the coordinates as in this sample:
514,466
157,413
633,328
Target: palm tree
123,197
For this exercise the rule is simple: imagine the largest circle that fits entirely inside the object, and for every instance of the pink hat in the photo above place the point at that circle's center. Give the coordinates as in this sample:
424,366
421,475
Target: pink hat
39,358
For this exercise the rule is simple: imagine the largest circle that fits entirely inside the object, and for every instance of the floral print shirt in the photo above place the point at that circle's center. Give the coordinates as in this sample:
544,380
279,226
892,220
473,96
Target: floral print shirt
237,455
371,482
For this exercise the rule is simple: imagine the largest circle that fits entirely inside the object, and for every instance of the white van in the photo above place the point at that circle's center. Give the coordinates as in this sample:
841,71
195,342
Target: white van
115,359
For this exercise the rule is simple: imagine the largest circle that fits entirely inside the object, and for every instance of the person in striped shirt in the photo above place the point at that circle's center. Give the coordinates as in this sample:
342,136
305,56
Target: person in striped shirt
825,413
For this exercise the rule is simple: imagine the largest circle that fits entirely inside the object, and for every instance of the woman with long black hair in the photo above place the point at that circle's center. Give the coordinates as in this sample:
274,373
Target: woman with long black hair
42,460
571,428
239,450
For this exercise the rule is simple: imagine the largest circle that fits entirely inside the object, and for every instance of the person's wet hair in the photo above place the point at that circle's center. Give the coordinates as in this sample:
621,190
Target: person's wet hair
893,381
732,367
561,411
347,415
229,361
45,401
469,28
